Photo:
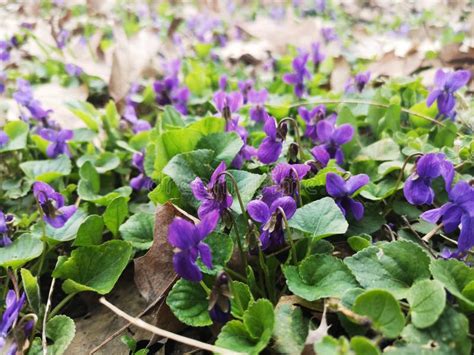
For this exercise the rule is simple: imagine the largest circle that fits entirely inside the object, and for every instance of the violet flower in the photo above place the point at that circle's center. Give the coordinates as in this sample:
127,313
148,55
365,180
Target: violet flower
342,190
55,213
58,141
316,55
331,138
228,103
73,69
312,117
24,97
62,38
458,212
446,84
247,152
223,83
3,79
141,181
271,146
4,238
272,235
5,47
357,83
13,306
4,139
258,98
329,34
417,188
214,196
138,125
168,90
285,178
245,86
300,73
187,238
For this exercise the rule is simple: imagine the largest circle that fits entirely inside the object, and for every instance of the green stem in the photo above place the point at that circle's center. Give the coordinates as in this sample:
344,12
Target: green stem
235,274
205,288
61,304
243,255
290,239
237,192
268,284
297,134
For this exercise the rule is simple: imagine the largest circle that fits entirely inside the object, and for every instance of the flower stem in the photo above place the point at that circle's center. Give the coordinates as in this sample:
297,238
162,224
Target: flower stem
268,284
61,304
243,255
205,288
297,134
298,187
237,192
290,239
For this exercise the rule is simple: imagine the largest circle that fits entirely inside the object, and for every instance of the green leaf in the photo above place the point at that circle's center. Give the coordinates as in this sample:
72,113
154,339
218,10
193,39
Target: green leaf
138,230
320,218
90,231
359,242
290,330
427,300
248,184
424,110
171,117
455,276
188,302
17,132
242,298
47,170
87,113
31,287
391,266
331,346
449,335
391,119
383,310
319,276
320,178
165,191
23,249
60,330
102,163
445,135
382,150
112,116
363,346
222,247
94,268
253,333
115,214
225,145
69,230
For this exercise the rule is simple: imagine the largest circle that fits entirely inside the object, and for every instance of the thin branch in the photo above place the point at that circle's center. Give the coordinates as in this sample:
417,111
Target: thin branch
431,233
45,318
164,333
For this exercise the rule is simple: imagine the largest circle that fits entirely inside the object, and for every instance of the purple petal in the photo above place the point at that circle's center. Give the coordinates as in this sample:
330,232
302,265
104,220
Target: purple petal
269,151
270,194
291,78
325,130
65,135
207,225
458,79
446,103
462,192
451,217
219,100
287,204
466,237
428,166
270,127
215,175
48,134
186,267
417,192
356,182
320,154
433,96
206,256
343,134
182,234
431,216
335,185
199,190
259,211
440,78
357,209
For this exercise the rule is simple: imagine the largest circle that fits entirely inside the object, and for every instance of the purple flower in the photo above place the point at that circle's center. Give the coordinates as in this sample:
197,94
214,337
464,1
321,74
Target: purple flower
24,96
187,238
258,98
4,238
168,91
138,125
357,83
62,38
271,146
272,236
4,139
141,181
316,56
300,73
329,34
3,79
58,141
245,86
446,84
342,191
417,188
285,178
458,212
55,213
223,83
331,138
219,299
247,152
227,104
312,117
13,306
4,51
73,70
214,196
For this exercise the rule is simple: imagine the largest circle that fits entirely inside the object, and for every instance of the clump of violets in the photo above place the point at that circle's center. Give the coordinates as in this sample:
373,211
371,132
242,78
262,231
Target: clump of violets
299,75
258,99
52,206
271,217
141,181
215,197
446,84
4,139
317,56
188,238
312,117
58,141
458,212
24,97
342,190
4,237
13,306
285,178
271,146
168,90
357,83
417,188
331,138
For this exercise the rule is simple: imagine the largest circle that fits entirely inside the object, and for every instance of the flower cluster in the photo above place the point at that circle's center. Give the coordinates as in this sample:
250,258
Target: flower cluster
168,90
24,97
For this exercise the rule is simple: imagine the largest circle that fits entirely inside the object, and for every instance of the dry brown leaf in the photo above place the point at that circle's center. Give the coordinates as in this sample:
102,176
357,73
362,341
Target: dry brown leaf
391,65
255,51
340,74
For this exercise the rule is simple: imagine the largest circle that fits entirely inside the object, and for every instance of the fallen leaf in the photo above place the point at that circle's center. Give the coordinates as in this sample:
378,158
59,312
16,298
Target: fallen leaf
340,74
392,65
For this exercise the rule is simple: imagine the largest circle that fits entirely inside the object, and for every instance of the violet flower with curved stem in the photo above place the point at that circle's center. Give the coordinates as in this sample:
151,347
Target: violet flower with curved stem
300,73
4,139
316,55
258,98
286,178
271,146
228,103
342,190
51,205
245,86
357,83
417,188
459,211
214,196
58,141
188,238
13,306
331,138
4,238
446,84
141,181
312,117
272,234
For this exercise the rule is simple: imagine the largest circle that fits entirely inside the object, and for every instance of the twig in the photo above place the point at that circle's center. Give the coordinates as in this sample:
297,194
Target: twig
45,318
424,243
164,333
431,233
